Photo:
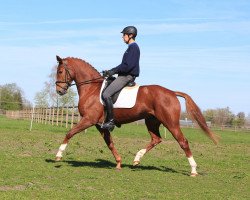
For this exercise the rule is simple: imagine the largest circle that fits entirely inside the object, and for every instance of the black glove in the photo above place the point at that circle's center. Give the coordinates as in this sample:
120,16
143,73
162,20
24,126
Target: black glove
108,73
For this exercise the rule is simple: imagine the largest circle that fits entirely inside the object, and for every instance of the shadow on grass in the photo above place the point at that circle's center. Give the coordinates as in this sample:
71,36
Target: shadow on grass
100,163
95,164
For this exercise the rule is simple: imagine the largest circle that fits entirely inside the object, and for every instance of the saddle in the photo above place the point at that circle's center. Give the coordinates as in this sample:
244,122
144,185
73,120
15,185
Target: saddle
114,97
125,98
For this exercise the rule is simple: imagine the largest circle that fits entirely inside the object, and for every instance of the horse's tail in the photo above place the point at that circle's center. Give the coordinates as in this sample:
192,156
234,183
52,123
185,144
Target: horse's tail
195,113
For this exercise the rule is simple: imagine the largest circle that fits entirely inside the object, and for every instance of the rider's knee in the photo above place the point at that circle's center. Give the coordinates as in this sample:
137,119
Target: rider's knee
105,95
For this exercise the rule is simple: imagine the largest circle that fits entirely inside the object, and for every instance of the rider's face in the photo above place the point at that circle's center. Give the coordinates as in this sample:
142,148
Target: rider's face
126,38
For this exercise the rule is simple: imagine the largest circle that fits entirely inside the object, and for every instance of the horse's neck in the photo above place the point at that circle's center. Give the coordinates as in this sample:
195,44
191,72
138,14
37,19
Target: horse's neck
86,73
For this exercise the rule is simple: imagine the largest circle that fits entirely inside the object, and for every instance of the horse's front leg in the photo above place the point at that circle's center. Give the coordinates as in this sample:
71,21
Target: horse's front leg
82,125
108,140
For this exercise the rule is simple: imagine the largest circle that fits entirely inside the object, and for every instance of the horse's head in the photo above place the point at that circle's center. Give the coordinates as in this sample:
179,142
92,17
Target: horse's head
64,76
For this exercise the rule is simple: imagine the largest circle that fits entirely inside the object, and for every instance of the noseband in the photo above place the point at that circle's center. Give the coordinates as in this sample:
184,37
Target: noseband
68,77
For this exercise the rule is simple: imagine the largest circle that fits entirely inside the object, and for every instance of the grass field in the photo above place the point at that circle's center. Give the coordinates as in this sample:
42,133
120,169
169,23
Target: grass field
28,170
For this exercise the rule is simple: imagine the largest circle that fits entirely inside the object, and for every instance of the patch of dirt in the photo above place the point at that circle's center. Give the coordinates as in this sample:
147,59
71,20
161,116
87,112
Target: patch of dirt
13,188
16,187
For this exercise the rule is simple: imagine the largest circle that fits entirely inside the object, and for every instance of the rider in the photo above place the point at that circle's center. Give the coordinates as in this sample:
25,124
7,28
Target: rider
127,71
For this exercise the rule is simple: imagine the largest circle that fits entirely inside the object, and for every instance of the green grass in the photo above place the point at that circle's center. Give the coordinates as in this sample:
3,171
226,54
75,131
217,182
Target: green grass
28,170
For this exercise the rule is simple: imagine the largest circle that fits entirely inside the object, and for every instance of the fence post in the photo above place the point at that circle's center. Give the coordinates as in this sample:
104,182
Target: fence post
46,113
79,116
53,114
67,116
38,115
72,116
57,113
32,117
35,118
62,117
50,115
43,116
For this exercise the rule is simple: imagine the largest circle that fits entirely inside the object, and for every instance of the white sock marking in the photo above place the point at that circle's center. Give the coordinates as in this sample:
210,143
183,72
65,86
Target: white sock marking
193,165
61,149
139,155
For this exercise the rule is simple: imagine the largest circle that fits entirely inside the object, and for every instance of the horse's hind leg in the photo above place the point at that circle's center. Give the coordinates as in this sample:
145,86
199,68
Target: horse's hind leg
183,142
108,140
153,125
169,116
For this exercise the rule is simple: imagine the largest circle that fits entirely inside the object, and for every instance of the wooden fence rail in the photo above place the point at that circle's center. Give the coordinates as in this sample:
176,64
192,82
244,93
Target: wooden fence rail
62,116
68,116
58,116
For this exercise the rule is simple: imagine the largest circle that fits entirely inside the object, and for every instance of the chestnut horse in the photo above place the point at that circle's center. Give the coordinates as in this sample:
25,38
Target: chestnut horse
156,104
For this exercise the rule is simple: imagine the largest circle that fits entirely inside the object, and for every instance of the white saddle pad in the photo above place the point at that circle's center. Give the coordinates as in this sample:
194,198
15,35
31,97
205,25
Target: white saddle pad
126,98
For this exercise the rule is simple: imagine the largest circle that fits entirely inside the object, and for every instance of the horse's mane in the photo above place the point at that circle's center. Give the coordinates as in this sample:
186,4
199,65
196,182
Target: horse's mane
81,60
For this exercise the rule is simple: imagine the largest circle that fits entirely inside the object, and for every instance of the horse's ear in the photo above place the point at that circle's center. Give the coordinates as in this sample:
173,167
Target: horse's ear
59,59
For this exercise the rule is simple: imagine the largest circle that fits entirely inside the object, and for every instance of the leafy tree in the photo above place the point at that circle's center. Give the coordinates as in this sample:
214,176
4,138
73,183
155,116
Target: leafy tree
41,99
49,97
219,116
209,115
12,98
239,119
224,116
247,120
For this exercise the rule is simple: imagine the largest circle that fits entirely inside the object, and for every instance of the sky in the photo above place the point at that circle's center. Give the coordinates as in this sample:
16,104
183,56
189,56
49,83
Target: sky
200,47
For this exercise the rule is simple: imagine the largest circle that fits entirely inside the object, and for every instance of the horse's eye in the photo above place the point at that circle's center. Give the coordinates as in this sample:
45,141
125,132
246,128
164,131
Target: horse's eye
60,72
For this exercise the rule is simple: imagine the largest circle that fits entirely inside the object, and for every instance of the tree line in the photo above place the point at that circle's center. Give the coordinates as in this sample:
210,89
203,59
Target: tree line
223,117
12,98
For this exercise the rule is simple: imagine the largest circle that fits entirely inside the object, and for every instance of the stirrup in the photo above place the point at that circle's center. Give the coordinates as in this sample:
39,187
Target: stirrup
110,125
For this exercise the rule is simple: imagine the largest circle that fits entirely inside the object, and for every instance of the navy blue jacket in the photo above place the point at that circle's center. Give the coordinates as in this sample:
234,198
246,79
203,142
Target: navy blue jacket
130,62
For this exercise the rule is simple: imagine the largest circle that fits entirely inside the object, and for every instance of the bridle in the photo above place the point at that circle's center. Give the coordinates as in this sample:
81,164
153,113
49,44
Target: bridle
68,79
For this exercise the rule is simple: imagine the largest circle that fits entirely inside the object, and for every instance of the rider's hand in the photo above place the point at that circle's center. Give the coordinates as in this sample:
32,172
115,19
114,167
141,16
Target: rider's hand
108,73
105,73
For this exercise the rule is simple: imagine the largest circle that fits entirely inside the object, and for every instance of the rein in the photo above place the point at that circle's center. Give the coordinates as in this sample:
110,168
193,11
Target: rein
94,80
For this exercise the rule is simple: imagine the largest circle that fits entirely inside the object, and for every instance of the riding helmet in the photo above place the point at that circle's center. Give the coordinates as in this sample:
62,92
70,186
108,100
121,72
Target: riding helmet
130,30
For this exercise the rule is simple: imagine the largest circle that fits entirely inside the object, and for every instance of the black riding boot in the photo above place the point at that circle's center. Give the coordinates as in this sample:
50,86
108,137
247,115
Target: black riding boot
109,124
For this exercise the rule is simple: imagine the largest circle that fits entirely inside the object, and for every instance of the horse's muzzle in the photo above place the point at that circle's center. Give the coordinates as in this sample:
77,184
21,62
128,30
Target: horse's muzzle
61,92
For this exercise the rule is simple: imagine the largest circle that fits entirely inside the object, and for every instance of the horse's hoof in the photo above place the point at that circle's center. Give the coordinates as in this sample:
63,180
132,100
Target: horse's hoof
194,174
118,169
58,159
136,163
